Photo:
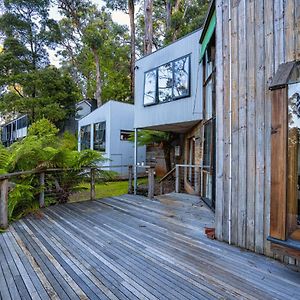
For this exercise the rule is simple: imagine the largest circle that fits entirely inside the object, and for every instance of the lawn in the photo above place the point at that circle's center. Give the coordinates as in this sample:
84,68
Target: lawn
104,190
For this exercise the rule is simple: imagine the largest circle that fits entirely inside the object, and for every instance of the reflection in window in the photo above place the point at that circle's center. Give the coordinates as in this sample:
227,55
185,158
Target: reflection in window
165,82
99,136
85,137
150,87
168,82
125,135
293,147
181,77
207,145
208,100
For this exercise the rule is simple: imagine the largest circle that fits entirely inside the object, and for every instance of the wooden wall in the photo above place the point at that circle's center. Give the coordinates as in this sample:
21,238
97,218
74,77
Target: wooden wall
264,34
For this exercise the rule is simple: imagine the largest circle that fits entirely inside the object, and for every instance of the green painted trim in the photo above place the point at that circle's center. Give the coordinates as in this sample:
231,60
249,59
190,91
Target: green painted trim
208,34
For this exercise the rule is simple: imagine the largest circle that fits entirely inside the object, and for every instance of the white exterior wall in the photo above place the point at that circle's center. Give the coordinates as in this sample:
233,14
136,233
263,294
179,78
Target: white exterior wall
118,116
183,110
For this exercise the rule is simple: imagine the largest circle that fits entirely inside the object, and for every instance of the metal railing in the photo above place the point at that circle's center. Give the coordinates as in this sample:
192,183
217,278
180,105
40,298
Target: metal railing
50,183
166,181
188,177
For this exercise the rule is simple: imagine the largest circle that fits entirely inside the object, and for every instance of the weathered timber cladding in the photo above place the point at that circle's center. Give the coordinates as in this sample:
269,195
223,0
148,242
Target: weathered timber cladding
260,35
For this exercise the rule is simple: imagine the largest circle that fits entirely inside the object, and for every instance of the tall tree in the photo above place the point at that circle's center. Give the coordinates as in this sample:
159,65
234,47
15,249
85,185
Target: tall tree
128,6
27,31
55,95
88,32
148,38
82,15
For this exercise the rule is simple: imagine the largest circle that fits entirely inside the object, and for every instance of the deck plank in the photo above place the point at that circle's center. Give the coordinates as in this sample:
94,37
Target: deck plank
130,247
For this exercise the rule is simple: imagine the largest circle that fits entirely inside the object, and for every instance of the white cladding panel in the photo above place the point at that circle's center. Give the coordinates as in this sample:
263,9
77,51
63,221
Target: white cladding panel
118,116
178,111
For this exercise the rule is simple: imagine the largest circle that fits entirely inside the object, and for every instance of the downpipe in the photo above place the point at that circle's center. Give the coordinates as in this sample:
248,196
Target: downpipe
230,127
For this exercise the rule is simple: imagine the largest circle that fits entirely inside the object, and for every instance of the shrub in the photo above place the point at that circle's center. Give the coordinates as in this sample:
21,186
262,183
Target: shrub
43,149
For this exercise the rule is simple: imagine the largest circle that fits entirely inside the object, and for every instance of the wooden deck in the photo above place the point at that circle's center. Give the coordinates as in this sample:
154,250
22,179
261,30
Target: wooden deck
129,247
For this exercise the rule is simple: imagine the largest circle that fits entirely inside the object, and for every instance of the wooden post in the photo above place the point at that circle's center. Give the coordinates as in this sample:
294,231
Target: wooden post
4,204
161,188
93,193
197,177
42,192
151,183
177,179
201,181
135,160
130,179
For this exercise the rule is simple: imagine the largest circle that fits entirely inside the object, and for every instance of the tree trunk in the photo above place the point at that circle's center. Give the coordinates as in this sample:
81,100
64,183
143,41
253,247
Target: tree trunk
132,44
98,91
168,15
176,8
148,39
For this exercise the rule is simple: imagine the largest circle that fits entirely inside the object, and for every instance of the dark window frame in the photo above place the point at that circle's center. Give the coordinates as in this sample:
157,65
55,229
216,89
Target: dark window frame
174,98
129,132
81,137
103,149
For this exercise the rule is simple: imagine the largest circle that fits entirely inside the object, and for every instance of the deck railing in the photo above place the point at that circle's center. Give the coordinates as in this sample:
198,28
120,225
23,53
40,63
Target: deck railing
90,175
188,176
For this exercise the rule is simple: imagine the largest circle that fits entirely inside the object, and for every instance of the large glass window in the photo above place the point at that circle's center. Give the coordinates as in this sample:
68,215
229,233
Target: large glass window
150,87
207,145
22,122
85,137
208,85
181,77
165,82
294,149
99,136
168,82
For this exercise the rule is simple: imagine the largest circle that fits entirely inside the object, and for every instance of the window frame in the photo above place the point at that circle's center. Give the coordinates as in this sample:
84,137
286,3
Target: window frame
127,132
94,136
284,233
81,136
209,79
174,98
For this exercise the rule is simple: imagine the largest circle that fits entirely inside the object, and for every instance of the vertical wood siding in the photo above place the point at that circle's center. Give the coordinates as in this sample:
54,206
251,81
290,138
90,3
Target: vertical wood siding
264,34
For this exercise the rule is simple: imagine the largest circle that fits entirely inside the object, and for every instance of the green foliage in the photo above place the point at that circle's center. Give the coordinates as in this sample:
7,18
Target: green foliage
89,32
29,85
165,139
42,149
47,93
42,128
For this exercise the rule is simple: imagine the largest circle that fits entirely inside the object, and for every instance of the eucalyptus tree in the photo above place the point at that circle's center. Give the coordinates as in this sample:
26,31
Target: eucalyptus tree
27,33
128,6
88,33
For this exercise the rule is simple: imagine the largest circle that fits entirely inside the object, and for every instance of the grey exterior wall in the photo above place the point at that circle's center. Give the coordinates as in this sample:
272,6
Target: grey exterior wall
118,116
183,110
263,35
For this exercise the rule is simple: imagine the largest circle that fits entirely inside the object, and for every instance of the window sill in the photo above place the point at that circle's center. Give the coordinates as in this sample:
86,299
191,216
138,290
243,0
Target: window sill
289,247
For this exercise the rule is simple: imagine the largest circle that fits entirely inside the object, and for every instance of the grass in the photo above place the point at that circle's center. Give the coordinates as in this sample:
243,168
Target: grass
104,190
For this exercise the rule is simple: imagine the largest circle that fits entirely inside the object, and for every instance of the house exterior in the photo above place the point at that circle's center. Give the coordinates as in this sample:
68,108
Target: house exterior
245,135
14,130
107,129
82,108
166,91
169,97
17,128
257,83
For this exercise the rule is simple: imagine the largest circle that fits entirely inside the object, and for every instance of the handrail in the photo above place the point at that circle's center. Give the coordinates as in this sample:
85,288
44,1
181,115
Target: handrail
37,171
167,175
189,166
